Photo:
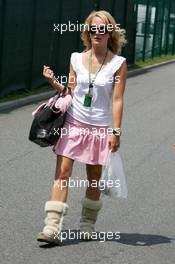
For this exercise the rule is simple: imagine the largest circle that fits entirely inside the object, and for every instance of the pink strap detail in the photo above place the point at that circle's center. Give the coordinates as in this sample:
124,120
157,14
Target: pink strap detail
63,103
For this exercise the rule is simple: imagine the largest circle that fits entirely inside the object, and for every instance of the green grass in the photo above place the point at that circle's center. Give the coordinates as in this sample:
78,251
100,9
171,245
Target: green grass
23,92
148,62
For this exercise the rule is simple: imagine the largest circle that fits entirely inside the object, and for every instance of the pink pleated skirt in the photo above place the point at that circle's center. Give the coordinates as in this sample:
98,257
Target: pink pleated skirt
83,142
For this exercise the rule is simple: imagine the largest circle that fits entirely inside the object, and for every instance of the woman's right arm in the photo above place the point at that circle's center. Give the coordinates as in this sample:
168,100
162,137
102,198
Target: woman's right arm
49,75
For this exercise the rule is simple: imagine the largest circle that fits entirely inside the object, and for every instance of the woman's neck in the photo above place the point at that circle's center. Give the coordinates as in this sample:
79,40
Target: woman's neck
99,51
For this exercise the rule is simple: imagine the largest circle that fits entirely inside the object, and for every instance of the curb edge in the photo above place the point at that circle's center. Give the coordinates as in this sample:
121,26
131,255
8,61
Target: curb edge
11,105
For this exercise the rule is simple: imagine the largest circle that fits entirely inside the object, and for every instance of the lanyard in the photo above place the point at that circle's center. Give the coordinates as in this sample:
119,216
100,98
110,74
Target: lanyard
91,81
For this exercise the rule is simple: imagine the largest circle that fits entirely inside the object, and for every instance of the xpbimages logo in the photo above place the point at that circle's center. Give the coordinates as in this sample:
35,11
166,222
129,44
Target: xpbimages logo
98,236
79,183
75,27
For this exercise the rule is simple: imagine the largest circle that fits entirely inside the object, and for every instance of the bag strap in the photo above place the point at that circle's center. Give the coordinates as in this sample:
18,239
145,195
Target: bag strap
57,95
62,93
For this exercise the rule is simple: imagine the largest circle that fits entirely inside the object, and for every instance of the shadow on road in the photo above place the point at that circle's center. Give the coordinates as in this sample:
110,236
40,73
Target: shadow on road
73,237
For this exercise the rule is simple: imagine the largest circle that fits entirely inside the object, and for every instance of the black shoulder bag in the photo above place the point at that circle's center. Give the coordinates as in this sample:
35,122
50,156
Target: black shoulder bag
46,126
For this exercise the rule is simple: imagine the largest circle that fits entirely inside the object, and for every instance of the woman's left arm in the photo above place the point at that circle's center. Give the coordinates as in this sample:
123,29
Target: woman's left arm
117,104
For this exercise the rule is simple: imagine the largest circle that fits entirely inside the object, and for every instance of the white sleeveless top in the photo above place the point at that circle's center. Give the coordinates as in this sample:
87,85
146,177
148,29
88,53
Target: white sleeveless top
99,112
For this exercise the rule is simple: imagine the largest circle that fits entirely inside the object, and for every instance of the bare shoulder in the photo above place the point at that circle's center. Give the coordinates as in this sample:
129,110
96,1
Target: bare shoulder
123,65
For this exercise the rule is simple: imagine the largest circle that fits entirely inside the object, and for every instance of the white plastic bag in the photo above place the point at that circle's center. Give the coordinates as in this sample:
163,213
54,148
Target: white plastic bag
113,181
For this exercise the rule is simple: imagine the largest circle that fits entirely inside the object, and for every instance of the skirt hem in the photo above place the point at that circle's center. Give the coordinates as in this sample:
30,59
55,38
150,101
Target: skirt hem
77,159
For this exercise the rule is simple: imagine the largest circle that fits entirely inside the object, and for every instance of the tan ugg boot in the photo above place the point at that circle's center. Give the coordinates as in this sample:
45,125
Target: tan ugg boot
90,209
56,211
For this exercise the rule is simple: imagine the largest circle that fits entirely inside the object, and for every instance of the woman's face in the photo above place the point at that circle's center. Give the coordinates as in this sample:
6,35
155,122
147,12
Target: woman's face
97,38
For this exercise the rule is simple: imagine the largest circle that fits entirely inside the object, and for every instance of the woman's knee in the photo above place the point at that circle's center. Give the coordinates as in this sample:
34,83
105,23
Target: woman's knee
93,172
62,177
64,169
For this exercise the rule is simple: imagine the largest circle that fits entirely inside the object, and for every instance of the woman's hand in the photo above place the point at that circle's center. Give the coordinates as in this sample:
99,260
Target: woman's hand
48,73
114,143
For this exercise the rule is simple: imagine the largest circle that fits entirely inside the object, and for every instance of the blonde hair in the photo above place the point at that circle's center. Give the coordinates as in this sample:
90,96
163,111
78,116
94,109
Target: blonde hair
117,38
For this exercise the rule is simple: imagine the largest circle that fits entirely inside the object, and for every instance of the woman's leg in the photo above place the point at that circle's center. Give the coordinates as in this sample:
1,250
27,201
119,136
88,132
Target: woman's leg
57,207
93,176
91,204
63,171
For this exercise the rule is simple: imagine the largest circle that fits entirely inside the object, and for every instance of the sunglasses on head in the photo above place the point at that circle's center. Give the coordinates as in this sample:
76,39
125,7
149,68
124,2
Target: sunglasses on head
103,29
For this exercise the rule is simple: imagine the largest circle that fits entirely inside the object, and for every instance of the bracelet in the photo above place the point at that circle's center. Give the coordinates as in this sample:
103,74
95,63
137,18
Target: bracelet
117,131
64,89
67,87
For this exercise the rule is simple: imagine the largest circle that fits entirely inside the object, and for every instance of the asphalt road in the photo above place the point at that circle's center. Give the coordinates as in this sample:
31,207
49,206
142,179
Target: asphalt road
145,219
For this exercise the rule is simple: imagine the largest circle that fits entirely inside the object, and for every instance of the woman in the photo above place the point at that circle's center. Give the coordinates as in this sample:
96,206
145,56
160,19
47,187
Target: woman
92,80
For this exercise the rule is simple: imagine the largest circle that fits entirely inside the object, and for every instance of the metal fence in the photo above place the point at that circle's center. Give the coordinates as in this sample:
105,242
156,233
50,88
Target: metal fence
155,28
28,40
